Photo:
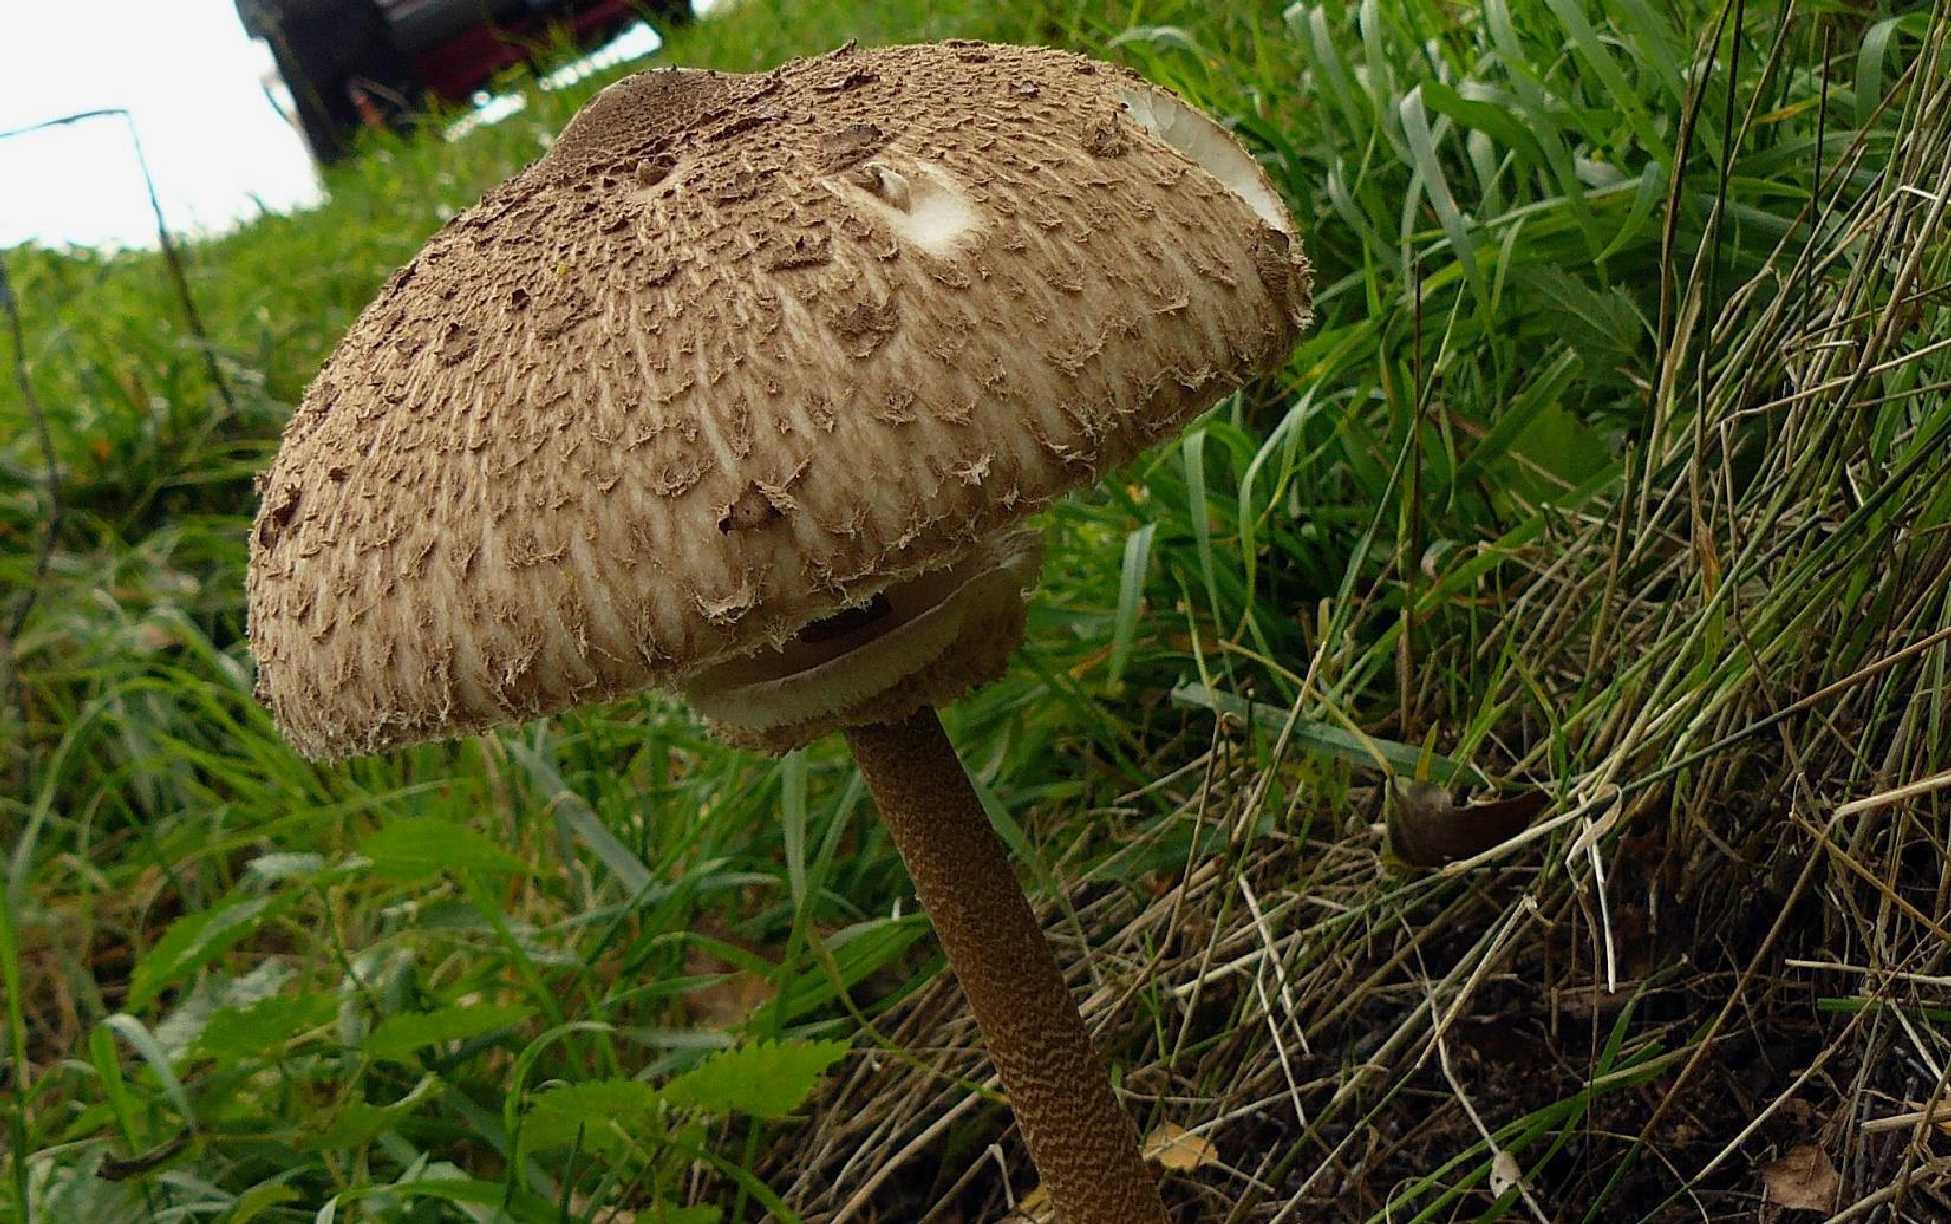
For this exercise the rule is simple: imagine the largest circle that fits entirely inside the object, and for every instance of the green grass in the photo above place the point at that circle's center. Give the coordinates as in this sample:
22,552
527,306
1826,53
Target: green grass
1614,467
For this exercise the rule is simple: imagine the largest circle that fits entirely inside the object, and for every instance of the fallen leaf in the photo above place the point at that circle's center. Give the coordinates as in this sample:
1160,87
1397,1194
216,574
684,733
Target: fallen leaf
1172,1145
1033,1208
1428,828
730,1001
1504,1174
1178,1149
737,993
1803,1180
112,1169
1589,1001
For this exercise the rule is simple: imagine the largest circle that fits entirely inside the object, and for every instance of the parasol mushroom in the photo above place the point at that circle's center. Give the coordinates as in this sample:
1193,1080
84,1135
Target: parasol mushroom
744,390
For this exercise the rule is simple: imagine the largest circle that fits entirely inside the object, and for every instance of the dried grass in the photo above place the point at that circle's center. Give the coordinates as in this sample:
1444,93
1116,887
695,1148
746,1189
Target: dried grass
1728,933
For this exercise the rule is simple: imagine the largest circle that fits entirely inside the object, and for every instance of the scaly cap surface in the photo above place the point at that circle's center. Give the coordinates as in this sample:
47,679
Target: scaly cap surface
741,351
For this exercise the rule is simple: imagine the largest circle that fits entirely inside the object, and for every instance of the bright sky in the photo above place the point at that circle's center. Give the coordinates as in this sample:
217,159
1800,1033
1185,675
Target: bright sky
218,150
186,70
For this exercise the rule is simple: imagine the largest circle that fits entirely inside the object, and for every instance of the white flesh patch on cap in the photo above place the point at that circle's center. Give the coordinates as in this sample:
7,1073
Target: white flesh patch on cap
921,205
805,680
1209,146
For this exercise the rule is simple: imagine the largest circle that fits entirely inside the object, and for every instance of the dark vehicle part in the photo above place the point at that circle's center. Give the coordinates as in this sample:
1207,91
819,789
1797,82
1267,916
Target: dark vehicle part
373,63
339,61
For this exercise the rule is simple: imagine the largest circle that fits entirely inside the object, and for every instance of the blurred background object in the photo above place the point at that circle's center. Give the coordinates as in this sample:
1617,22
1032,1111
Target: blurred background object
235,99
352,63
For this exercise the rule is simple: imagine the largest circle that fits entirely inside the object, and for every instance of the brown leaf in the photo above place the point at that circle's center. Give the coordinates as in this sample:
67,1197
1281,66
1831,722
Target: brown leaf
1803,1180
1505,1175
1172,1145
113,1169
730,1001
1178,1149
1428,828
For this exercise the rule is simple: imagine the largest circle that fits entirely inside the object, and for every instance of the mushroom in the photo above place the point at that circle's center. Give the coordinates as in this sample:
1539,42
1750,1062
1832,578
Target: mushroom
745,389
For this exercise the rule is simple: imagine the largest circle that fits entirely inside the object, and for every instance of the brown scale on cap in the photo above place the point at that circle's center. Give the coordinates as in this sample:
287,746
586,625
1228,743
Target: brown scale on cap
930,289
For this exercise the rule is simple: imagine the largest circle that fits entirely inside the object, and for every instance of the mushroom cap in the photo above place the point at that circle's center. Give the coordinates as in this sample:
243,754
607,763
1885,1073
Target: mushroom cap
740,352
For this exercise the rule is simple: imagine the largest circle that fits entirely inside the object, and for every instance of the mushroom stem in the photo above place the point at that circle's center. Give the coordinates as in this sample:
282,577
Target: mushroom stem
1085,1146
